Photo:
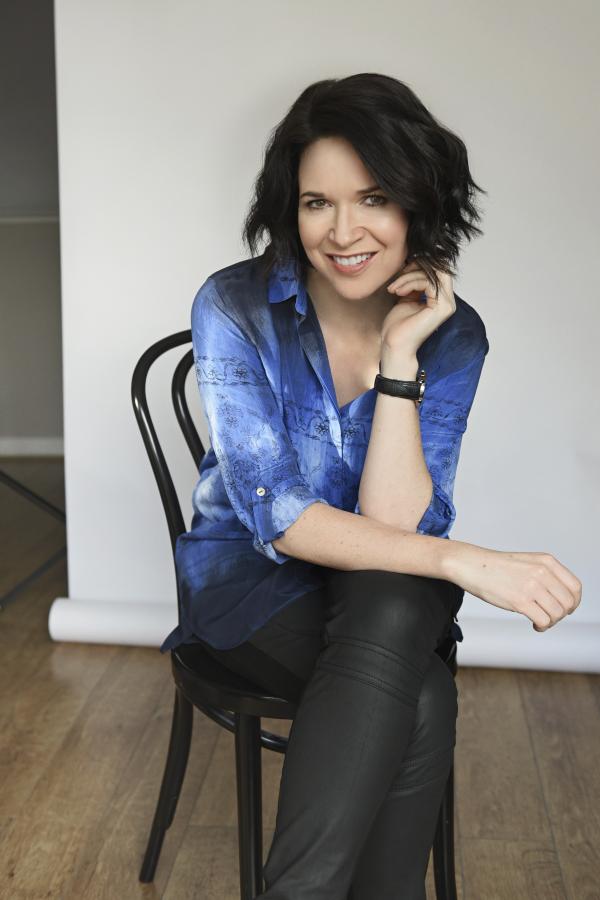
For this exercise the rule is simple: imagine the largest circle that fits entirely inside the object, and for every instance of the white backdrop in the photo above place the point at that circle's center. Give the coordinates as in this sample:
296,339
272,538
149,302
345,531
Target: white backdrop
163,114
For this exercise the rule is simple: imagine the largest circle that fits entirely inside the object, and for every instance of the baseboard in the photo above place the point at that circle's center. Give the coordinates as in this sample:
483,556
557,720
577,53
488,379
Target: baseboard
31,446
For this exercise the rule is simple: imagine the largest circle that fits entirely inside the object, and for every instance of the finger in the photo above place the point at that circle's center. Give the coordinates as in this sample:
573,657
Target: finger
540,618
414,283
558,589
566,577
550,604
418,273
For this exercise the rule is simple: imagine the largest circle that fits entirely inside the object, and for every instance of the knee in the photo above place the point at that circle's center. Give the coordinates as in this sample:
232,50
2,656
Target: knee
388,608
431,748
437,709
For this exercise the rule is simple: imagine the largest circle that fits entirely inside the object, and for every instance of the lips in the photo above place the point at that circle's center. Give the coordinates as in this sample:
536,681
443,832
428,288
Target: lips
351,270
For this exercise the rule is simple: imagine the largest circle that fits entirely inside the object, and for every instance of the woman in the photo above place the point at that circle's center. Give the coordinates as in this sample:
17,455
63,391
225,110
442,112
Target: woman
318,562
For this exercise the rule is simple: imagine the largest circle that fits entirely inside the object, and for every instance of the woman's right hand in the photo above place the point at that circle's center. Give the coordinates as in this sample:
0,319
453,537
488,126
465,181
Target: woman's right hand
534,584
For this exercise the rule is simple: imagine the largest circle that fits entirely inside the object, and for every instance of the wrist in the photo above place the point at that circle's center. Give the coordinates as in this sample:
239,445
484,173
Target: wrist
449,560
403,366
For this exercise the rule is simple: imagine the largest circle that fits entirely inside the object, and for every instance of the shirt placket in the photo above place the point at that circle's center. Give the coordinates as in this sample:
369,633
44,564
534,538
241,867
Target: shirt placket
313,345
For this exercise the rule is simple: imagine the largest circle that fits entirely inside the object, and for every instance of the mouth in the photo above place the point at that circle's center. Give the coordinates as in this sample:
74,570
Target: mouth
359,262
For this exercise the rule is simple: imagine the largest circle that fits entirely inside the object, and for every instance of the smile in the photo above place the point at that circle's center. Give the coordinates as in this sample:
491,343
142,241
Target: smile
350,265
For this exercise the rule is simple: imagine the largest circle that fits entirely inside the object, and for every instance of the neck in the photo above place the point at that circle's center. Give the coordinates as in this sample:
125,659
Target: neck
363,316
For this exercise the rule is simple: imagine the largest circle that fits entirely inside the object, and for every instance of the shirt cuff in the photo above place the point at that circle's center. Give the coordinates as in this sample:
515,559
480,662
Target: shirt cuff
439,515
276,508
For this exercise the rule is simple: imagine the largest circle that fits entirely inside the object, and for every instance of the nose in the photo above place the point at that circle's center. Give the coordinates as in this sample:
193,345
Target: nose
346,229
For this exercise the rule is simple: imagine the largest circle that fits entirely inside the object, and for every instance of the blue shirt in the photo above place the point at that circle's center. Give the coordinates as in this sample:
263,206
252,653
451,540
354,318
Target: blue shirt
279,442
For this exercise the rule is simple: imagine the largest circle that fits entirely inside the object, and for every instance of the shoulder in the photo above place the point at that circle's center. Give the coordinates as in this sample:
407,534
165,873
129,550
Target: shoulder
460,340
237,290
469,324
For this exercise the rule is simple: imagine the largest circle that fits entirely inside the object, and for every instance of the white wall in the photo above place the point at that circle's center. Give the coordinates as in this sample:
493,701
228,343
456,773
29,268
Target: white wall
163,113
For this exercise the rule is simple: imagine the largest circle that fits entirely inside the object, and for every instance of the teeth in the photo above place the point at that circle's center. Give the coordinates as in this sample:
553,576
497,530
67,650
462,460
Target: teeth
352,260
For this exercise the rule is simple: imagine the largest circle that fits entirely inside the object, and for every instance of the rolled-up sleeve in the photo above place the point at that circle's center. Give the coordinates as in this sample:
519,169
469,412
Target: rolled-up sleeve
257,460
443,423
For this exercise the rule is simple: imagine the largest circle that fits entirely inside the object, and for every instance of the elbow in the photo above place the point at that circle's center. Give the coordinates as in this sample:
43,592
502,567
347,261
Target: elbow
439,516
384,518
383,511
289,543
281,546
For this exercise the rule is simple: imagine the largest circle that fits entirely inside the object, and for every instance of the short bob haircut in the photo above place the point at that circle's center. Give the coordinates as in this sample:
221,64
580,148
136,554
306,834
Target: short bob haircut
415,160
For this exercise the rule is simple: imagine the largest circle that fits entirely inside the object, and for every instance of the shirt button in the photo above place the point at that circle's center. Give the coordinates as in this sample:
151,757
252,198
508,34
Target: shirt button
261,491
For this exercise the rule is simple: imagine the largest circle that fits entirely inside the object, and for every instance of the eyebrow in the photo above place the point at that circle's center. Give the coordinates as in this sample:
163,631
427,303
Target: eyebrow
374,187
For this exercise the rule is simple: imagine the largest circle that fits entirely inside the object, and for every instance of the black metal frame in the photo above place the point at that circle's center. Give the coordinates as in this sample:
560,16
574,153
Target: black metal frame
225,697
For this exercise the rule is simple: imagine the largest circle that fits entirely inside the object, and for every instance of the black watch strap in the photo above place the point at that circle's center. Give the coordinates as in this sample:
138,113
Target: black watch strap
411,390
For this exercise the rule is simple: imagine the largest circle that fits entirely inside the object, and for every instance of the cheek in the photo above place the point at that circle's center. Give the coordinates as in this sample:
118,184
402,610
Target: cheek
309,231
393,229
392,222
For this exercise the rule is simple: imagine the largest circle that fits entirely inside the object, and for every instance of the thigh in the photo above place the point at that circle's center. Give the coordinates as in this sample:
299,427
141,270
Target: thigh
280,656
295,635
384,608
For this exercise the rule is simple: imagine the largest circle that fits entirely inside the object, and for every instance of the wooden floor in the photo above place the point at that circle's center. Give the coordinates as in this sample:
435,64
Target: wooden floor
85,728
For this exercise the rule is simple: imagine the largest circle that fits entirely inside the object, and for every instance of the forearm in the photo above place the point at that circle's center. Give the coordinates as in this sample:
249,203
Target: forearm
395,486
337,539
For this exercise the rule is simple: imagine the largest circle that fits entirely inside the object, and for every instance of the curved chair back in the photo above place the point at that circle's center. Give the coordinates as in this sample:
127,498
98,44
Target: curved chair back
156,456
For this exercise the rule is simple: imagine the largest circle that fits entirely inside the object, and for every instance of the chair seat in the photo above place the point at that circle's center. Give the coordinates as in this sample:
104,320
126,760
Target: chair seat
204,680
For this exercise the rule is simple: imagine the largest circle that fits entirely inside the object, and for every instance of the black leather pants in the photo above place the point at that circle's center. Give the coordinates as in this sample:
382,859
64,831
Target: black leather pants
372,743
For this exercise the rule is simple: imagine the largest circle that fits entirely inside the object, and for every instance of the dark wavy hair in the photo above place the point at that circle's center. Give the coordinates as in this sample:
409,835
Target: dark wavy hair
416,161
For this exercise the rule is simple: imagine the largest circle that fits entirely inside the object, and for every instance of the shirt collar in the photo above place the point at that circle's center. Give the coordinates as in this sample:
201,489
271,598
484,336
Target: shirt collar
284,282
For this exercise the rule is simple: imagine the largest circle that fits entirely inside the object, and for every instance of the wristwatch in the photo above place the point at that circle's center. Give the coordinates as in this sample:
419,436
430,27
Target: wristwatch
411,390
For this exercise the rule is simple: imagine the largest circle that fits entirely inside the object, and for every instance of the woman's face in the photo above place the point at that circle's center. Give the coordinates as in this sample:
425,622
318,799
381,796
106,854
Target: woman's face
345,220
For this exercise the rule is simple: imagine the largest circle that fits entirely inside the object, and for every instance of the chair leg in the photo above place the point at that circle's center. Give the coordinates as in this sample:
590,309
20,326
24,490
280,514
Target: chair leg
443,846
177,757
249,800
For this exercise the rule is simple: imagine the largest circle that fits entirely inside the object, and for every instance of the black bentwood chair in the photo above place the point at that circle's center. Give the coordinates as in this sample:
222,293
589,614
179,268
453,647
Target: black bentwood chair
224,696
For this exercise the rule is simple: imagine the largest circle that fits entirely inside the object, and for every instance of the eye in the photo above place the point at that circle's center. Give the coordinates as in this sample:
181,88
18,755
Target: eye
383,199
377,197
